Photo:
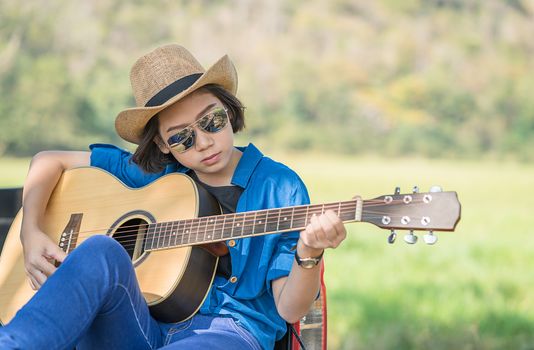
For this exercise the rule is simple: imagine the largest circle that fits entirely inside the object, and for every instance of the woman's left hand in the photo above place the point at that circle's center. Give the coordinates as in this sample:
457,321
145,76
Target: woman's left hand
324,231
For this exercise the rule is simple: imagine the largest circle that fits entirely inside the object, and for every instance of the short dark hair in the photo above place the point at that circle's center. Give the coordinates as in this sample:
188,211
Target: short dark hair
148,155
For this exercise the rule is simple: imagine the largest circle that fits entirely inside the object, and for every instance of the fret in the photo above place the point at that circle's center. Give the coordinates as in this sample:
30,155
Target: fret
201,230
332,206
223,226
197,232
285,219
167,235
266,220
161,239
239,222
204,230
217,227
179,232
149,242
193,228
271,223
154,243
210,228
349,211
259,226
188,229
248,224
164,235
158,234
254,222
228,228
317,209
232,226
174,235
299,217
278,220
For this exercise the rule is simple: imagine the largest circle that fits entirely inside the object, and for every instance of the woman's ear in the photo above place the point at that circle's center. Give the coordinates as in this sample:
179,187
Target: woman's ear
161,145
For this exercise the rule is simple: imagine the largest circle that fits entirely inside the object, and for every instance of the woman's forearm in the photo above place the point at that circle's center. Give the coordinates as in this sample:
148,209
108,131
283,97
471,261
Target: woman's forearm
298,291
45,170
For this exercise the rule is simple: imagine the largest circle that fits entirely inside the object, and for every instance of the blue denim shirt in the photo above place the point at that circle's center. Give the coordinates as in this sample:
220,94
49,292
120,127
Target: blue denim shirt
256,261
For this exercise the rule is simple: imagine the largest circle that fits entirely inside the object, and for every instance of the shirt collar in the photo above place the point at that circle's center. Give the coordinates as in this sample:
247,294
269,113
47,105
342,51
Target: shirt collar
248,162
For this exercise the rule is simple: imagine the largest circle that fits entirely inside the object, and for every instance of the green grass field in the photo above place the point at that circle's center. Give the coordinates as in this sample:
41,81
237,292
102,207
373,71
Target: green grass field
474,289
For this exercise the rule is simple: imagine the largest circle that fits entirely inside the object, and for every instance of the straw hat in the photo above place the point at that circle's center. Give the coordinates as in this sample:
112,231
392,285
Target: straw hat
164,76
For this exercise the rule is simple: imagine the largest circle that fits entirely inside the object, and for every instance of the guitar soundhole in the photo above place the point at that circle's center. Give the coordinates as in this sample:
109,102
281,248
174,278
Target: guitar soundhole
132,235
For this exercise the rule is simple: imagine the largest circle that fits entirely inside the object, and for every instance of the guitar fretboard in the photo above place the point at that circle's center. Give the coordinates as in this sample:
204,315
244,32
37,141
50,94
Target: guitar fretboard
218,228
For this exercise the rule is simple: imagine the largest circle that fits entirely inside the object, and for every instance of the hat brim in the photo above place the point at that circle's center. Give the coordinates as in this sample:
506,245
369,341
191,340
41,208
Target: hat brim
131,122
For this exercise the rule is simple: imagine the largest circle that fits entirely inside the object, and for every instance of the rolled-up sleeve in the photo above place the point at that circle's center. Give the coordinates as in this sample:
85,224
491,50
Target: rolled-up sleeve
284,253
118,162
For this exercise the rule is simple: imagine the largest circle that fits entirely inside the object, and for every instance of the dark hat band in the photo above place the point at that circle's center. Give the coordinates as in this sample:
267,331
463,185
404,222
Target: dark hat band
172,90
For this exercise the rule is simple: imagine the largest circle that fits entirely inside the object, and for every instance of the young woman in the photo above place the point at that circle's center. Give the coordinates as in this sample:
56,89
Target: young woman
184,122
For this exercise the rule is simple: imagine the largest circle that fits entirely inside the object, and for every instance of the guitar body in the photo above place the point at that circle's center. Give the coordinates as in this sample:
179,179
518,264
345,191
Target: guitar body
91,201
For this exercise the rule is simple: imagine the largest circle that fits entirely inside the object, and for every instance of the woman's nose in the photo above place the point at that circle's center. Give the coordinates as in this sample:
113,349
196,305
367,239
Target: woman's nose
203,140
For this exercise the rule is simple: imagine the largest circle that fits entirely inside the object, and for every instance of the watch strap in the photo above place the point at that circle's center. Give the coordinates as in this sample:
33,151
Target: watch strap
315,260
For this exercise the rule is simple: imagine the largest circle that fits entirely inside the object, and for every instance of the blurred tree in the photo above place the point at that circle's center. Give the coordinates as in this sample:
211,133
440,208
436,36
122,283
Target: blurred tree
440,78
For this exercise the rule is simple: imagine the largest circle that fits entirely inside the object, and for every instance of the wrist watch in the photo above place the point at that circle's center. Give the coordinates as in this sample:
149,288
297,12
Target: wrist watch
308,263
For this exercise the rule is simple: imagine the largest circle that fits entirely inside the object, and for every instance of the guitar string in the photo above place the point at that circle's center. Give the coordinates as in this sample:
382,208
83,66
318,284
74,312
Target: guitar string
242,216
166,239
211,227
314,207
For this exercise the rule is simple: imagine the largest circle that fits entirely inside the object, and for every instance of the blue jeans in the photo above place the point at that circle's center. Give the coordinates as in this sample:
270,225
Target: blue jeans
93,301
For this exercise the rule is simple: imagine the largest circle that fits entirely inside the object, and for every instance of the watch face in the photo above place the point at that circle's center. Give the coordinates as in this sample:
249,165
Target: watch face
308,263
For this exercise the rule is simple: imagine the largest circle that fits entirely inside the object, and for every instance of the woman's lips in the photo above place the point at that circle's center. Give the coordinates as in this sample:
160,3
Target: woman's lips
214,158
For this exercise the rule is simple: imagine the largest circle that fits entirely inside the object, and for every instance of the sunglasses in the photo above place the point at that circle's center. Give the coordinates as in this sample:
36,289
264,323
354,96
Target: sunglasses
212,123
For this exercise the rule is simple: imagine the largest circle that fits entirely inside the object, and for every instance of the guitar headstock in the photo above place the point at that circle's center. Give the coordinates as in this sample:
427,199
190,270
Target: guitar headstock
429,211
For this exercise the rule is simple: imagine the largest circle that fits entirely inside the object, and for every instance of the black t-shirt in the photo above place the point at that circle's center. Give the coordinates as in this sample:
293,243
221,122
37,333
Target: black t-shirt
227,196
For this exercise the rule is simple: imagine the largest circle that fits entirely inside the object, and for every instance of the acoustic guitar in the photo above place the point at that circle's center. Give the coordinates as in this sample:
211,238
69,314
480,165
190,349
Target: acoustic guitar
172,229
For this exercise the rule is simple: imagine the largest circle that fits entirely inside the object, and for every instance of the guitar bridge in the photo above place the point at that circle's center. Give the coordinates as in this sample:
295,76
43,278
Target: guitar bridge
69,237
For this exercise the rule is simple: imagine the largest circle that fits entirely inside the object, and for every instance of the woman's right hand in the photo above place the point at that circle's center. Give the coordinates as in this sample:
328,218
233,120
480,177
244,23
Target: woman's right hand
40,254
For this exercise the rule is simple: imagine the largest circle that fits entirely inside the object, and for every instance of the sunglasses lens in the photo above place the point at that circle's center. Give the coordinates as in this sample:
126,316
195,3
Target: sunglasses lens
182,141
215,121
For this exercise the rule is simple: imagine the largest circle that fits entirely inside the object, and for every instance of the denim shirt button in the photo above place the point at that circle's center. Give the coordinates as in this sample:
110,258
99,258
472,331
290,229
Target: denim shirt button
231,243
233,279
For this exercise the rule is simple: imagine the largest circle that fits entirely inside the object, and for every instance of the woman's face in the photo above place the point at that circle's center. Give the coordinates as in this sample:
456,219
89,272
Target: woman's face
212,155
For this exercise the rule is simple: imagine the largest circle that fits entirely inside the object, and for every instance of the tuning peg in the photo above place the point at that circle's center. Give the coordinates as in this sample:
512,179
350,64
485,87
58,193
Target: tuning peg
397,190
410,238
436,189
415,189
392,237
429,238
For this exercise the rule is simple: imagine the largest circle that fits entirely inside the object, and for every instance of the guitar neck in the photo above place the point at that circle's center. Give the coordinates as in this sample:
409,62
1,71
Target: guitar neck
209,229
417,211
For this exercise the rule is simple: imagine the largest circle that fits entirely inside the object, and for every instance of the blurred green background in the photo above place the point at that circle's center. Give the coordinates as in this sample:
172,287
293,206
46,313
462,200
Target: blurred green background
358,97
